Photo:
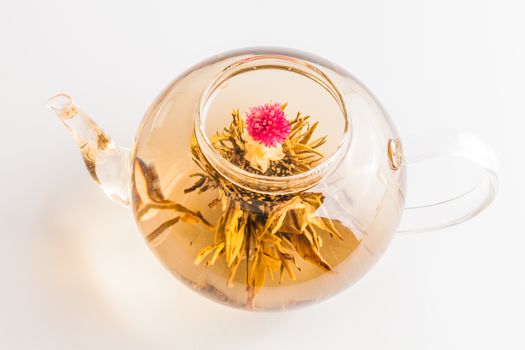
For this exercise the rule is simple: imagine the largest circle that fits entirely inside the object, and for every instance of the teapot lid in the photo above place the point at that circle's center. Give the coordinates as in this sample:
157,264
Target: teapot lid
278,103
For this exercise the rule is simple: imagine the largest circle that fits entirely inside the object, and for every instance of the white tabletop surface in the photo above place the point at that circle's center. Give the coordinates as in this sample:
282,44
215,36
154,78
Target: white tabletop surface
75,273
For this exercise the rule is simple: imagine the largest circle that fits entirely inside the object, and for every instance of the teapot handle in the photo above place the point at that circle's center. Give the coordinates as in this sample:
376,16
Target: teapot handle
449,156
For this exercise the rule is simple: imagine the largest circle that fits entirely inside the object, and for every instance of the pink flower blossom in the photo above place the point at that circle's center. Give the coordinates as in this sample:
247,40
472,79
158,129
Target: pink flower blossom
267,124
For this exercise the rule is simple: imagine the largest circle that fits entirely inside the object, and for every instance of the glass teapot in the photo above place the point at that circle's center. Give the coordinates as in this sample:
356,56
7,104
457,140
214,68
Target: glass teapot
269,178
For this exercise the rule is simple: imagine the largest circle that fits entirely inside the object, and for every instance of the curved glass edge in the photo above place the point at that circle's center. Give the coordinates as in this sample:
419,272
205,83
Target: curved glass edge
471,150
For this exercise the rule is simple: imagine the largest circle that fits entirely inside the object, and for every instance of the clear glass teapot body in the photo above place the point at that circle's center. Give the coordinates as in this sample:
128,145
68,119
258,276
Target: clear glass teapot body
362,192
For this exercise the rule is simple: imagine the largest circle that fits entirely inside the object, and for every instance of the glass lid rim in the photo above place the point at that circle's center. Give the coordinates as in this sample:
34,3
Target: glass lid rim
314,73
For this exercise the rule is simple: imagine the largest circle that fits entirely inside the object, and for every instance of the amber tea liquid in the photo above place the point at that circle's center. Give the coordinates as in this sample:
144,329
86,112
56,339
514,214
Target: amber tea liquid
164,143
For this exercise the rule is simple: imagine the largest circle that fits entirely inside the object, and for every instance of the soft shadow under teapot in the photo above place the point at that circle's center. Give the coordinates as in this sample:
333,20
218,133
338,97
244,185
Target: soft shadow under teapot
270,178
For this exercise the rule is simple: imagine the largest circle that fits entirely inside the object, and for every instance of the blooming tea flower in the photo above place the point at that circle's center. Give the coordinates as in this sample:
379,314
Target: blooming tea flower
267,124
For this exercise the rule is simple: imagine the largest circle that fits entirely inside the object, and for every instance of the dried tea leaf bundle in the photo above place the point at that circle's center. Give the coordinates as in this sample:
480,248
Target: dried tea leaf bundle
266,232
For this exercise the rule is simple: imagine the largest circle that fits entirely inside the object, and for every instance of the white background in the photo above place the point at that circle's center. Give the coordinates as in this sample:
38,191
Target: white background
75,273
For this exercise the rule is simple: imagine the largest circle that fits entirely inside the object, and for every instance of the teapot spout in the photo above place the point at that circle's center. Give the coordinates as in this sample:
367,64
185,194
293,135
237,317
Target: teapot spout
107,163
